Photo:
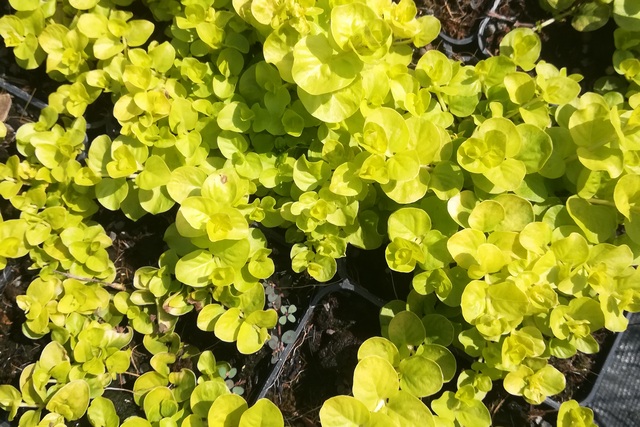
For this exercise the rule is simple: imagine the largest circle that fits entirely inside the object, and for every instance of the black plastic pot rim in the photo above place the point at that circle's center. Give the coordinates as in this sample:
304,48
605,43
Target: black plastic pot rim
6,276
32,101
456,42
483,26
19,93
344,285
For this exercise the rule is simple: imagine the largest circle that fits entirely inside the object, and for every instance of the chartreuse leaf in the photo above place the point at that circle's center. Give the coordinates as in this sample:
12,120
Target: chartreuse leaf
463,246
572,414
226,411
493,309
536,147
83,4
253,332
356,27
138,31
155,174
523,46
476,155
575,322
591,125
443,357
518,212
136,421
208,316
112,192
308,175
411,224
195,268
71,400
437,281
535,237
159,403
374,381
627,194
10,400
184,382
24,6
591,16
205,393
597,222
534,386
407,410
207,363
409,191
160,362
319,69
458,407
406,331
381,347
146,382
333,107
344,411
557,87
228,325
420,376
486,215
446,180
263,413
520,86
626,14
434,69
572,250
236,117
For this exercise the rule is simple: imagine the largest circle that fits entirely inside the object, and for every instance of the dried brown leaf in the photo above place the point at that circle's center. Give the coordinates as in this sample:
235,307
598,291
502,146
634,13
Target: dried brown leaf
5,106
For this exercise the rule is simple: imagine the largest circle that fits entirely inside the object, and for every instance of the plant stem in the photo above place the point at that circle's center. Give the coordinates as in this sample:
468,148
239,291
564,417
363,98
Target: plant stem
118,389
556,18
117,286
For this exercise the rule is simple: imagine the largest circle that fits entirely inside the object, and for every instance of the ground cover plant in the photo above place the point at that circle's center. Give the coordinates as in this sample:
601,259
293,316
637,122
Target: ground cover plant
506,190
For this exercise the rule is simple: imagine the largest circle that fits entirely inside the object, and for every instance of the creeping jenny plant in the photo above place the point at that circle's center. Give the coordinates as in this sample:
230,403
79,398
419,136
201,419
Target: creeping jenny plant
510,196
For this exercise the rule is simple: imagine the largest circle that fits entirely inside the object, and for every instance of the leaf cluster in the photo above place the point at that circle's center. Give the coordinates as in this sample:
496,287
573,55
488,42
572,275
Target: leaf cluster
508,193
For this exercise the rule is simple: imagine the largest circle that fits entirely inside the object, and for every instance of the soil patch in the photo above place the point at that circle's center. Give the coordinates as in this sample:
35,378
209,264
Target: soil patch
323,359
459,19
16,350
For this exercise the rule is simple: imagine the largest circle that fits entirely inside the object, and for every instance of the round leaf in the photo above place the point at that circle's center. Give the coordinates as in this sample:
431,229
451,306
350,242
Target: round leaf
343,411
443,357
420,376
374,381
226,411
381,347
406,329
205,394
71,400
263,414
408,223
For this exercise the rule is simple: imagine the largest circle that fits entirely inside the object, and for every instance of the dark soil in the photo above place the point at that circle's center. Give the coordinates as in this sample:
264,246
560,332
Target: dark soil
458,18
323,359
16,350
581,370
473,29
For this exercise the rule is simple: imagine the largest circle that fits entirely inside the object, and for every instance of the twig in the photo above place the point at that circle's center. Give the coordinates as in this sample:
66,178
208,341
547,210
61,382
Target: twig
117,286
118,389
495,410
